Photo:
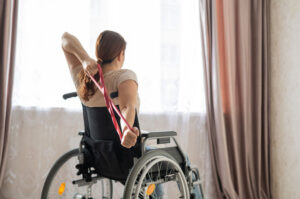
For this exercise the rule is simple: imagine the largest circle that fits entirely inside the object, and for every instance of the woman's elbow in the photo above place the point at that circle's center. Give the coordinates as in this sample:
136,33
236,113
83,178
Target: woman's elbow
65,40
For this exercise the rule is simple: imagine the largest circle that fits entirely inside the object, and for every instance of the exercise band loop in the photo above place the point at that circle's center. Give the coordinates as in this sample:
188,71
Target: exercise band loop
109,104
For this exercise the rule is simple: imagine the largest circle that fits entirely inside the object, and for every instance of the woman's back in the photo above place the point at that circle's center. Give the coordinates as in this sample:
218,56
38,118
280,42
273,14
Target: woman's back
112,80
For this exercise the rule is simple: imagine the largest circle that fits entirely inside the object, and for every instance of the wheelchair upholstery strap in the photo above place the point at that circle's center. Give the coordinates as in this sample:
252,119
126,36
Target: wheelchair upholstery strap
109,104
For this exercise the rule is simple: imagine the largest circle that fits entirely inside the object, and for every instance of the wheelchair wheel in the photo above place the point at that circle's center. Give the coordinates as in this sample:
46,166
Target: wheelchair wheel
59,182
154,171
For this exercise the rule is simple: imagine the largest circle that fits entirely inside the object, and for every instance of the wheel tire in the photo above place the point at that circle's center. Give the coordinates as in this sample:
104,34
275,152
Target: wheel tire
153,155
56,167
196,173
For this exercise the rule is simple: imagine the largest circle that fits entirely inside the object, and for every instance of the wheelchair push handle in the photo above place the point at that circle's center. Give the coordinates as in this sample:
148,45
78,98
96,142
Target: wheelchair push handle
69,95
74,94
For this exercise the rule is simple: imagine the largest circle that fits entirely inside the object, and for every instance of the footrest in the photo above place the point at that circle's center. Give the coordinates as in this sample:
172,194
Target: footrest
159,134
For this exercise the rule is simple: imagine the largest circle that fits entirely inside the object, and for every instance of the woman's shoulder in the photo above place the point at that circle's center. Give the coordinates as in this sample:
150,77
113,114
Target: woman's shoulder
123,71
127,72
123,75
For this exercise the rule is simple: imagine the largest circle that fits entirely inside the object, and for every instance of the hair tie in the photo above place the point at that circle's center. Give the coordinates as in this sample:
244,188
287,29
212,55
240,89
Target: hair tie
99,61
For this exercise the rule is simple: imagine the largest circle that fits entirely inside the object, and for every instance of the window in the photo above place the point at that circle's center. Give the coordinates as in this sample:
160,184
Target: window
163,48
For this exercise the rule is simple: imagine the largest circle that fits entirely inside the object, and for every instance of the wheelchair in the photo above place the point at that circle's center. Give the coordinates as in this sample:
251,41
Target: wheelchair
85,173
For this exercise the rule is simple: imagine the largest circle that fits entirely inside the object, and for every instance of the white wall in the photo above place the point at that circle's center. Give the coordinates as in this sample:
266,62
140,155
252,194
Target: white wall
285,98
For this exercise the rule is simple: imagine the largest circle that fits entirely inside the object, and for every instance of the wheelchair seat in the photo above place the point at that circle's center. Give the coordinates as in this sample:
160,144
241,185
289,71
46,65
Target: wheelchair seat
163,137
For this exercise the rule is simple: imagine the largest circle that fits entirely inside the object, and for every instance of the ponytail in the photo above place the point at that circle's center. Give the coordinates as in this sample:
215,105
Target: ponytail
108,46
87,87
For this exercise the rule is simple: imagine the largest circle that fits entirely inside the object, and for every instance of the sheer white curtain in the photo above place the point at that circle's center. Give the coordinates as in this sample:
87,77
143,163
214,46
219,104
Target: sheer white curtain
163,48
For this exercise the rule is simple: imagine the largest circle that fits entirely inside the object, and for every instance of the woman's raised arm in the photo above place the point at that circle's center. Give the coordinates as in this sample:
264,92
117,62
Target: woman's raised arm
76,55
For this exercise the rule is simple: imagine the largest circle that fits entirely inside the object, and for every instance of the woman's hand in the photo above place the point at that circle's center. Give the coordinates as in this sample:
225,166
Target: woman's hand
129,137
90,66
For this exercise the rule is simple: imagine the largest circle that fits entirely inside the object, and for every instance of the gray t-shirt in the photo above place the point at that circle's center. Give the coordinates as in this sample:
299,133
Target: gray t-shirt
112,80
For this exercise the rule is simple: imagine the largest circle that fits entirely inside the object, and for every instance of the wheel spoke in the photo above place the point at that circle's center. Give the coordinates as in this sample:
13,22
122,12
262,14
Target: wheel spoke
157,169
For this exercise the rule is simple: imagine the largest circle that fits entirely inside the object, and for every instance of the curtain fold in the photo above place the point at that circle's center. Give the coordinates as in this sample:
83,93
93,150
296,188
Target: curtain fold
8,22
234,37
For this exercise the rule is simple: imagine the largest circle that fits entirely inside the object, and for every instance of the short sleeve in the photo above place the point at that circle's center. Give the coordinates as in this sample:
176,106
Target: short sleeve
126,74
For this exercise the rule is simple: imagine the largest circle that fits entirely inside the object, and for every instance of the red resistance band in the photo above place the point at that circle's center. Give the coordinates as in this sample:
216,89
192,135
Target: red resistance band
109,104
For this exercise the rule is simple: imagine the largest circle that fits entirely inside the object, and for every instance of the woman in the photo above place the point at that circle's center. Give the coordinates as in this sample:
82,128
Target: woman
110,53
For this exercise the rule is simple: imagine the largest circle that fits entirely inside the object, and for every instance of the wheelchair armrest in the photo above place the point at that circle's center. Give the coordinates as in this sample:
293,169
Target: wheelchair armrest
158,134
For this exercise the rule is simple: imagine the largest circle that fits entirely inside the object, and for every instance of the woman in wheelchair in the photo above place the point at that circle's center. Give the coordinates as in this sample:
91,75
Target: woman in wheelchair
110,53
101,148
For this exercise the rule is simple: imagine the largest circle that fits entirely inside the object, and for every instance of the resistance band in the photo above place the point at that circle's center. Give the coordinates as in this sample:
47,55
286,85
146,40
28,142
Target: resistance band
109,104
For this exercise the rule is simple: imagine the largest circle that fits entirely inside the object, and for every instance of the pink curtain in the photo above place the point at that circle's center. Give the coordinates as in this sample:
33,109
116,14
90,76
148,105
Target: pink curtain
234,36
8,21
